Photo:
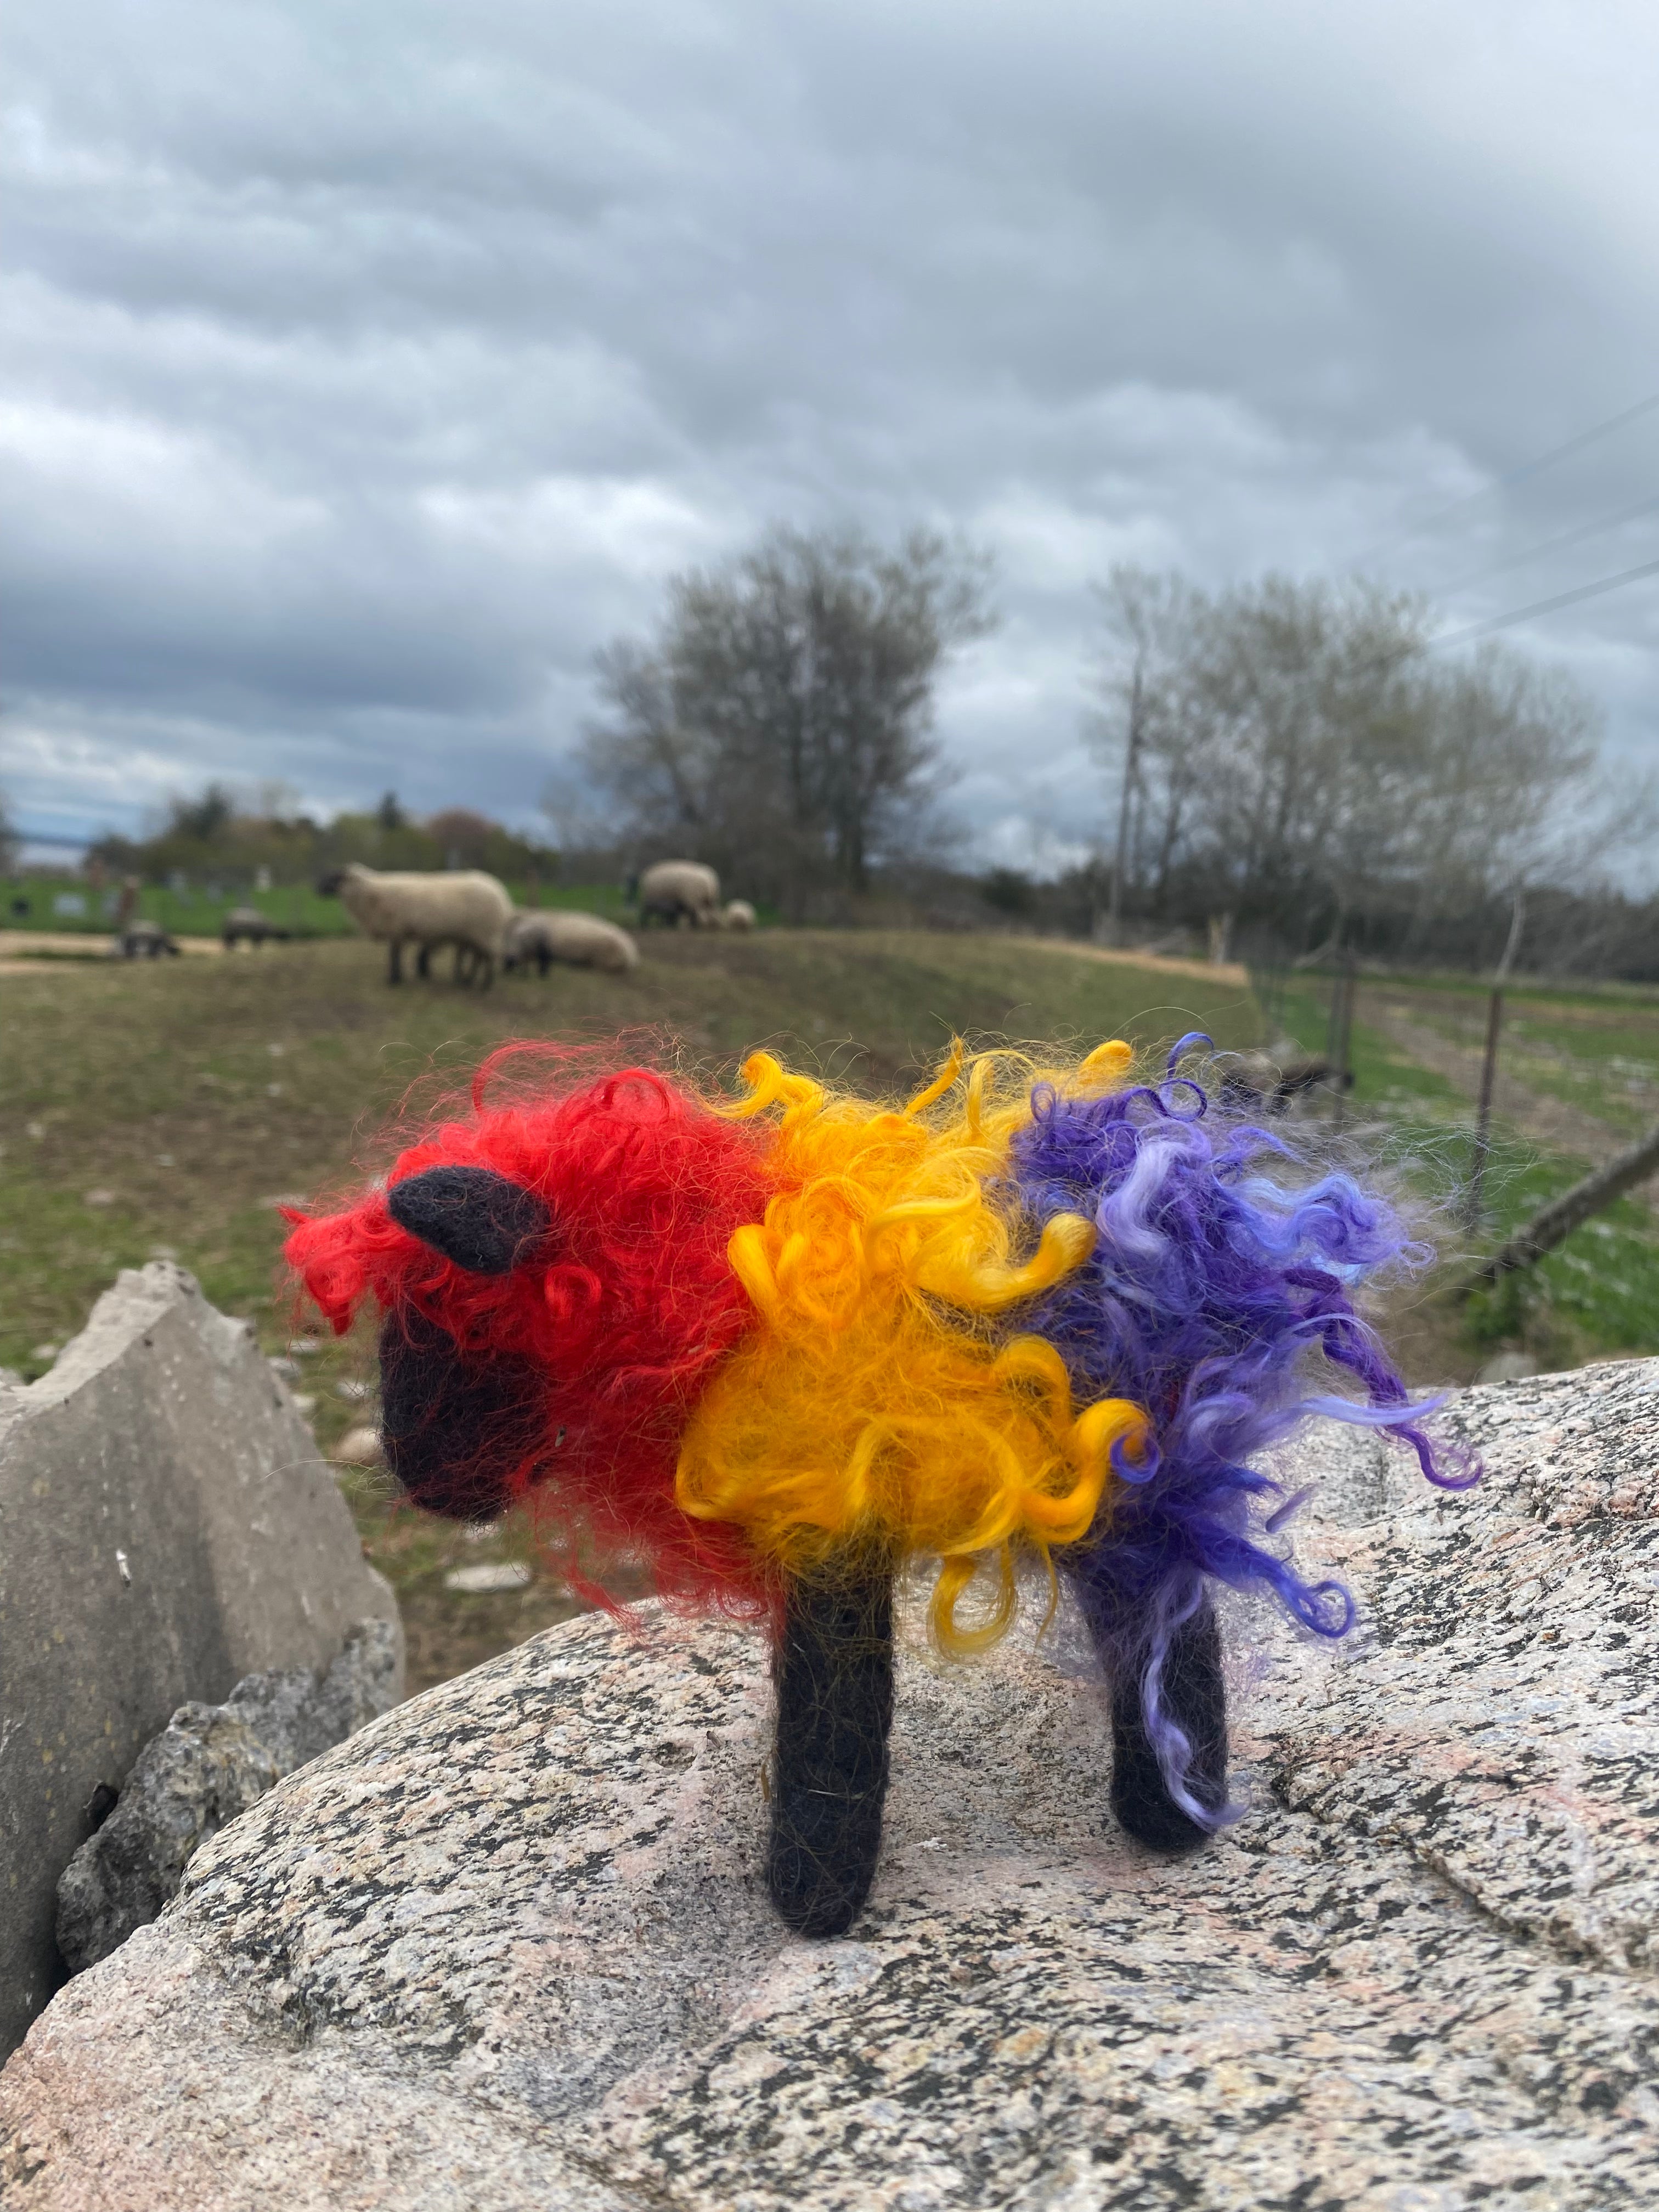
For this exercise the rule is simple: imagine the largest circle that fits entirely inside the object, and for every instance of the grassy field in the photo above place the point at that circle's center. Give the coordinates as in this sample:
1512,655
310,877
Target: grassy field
1599,1292
162,1110
65,905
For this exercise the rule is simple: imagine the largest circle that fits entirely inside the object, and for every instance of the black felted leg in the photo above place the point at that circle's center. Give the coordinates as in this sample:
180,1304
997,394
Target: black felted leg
1194,1696
394,966
834,1671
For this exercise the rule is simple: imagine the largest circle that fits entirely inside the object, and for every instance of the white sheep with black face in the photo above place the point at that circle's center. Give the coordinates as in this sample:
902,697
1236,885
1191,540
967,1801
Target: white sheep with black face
677,891
573,940
463,908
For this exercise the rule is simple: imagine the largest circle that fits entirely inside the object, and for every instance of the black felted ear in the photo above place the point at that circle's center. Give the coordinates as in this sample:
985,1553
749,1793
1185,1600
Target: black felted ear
473,1216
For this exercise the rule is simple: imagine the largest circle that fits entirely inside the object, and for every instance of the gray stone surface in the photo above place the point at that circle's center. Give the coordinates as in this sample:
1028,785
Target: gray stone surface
166,1527
509,1947
208,1765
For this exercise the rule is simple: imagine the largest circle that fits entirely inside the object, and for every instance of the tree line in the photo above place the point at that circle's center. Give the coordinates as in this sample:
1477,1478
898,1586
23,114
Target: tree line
218,837
1297,755
1292,761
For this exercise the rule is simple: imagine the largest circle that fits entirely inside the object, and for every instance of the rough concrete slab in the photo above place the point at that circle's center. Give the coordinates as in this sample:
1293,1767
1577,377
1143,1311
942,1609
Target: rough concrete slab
208,1765
166,1527
509,1947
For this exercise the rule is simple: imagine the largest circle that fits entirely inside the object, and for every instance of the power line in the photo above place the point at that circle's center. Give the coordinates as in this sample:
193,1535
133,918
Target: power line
1514,477
1547,606
1550,545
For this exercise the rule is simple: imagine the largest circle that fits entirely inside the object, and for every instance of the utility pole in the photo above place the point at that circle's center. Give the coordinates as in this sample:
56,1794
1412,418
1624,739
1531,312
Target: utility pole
1131,773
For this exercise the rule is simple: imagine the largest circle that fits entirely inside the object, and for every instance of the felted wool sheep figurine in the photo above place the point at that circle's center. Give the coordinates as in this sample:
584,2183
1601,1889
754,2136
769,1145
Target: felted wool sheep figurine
780,1345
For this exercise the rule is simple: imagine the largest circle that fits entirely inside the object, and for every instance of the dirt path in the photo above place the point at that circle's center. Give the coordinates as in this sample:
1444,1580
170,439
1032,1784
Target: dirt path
22,950
1549,1122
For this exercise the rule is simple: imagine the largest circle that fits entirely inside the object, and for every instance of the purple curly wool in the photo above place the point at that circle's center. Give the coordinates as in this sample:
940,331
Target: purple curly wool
1209,1289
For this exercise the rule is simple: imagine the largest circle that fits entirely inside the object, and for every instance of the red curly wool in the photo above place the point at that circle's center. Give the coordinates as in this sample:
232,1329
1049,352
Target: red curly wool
636,1306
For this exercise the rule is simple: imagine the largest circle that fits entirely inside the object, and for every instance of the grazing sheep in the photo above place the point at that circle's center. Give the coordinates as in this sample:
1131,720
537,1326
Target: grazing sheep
463,908
579,940
676,891
737,914
144,940
247,923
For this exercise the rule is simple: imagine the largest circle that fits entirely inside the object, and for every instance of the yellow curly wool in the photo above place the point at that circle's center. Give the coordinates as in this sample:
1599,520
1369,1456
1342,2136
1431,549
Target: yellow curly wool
869,1406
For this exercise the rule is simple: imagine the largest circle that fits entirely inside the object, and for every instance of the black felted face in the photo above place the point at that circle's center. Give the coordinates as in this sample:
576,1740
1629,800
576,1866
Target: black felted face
455,1425
473,1216
454,1428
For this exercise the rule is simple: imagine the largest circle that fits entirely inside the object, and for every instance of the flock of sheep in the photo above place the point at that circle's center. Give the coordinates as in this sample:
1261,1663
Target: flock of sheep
473,912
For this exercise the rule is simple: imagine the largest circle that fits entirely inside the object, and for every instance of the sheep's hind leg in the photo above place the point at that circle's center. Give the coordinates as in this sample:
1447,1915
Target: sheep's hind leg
394,973
1193,1695
833,1666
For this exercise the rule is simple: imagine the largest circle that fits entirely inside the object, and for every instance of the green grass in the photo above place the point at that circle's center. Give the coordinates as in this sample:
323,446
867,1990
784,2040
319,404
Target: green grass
29,903
1596,1293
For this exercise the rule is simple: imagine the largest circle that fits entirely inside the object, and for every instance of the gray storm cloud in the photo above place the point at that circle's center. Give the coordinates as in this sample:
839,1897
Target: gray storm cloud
370,368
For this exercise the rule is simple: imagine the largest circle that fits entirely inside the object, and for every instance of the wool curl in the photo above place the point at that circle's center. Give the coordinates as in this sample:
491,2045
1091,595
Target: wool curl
627,1316
875,1407
1223,1271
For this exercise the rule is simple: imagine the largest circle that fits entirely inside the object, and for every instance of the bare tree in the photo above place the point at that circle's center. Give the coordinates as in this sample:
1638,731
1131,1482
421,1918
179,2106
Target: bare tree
782,718
1307,758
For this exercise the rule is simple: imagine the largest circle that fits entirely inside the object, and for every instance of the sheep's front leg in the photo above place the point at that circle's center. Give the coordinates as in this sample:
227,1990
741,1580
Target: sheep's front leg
1191,1696
833,1666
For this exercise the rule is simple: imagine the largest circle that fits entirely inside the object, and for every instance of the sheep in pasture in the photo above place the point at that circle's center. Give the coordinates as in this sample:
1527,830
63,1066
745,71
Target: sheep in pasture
677,891
463,908
579,940
247,923
737,914
144,940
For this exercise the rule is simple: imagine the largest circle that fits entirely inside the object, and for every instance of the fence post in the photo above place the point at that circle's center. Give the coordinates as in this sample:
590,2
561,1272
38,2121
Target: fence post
1483,1110
1342,1017
1489,1065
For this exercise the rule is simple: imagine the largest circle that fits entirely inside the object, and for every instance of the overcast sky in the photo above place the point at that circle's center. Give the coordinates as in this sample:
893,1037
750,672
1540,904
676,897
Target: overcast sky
369,367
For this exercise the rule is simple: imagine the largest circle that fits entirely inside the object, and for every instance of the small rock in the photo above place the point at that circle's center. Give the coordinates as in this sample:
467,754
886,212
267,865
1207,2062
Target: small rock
360,1447
44,1352
163,1252
303,1347
303,1402
100,1198
495,1575
1508,1367
35,1129
278,1365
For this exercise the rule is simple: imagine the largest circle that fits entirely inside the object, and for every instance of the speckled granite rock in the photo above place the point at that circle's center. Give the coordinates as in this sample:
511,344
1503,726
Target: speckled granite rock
509,1947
